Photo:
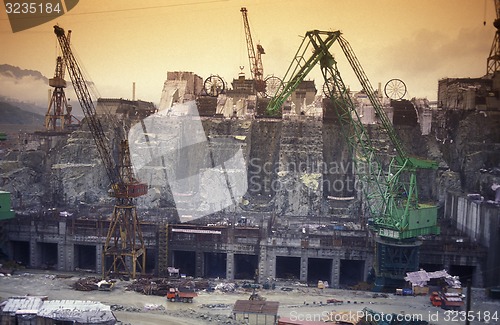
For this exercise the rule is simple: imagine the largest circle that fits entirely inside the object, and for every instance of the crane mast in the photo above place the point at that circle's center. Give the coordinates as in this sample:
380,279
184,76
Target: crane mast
124,242
255,59
58,117
389,189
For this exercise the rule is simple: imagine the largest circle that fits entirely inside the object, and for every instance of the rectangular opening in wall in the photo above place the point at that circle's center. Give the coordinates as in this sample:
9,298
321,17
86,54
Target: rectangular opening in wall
319,269
215,265
185,261
20,252
351,272
150,261
245,266
85,258
288,267
47,256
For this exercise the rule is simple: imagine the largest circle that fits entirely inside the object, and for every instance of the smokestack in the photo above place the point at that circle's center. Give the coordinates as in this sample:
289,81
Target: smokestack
133,91
380,90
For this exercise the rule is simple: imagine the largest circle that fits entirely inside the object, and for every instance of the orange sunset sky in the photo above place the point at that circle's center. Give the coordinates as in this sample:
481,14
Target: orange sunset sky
126,41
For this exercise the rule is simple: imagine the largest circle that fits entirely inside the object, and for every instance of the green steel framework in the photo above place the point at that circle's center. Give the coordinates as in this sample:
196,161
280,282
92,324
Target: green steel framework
389,190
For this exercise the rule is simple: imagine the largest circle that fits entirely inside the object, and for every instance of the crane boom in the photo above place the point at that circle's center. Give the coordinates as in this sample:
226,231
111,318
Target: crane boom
493,61
83,94
392,212
124,241
389,189
255,59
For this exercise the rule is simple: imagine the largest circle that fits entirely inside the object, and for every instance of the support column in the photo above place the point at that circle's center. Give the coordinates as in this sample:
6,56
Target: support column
65,250
335,276
477,276
66,256
265,264
199,262
99,258
230,265
303,267
34,258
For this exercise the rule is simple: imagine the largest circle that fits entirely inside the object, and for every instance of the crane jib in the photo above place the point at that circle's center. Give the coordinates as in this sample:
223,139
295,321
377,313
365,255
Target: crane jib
391,194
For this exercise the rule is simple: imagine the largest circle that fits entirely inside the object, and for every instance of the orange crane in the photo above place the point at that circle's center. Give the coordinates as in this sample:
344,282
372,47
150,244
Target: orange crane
58,116
124,242
254,58
270,85
493,62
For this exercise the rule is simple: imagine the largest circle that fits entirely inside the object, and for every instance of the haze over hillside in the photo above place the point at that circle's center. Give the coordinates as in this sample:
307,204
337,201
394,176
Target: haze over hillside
30,90
10,114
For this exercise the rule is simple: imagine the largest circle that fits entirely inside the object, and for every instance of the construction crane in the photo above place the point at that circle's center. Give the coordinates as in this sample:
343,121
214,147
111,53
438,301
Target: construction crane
255,58
124,242
58,116
271,84
493,62
389,189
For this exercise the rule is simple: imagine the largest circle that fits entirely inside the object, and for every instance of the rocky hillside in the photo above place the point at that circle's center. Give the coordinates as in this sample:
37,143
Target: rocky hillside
11,114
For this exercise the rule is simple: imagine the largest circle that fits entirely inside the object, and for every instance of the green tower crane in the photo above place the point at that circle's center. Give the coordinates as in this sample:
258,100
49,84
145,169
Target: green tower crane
389,189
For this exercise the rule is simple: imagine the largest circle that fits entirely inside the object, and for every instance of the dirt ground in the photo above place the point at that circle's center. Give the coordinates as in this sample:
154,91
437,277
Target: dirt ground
301,303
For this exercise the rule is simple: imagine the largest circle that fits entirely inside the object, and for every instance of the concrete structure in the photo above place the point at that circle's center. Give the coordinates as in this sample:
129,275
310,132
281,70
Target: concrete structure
469,93
132,109
180,87
301,218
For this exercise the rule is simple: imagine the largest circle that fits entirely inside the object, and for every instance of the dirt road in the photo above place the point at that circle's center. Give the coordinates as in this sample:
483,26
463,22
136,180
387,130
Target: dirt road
301,303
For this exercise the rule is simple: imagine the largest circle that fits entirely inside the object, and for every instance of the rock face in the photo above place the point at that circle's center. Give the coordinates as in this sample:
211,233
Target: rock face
293,167
470,142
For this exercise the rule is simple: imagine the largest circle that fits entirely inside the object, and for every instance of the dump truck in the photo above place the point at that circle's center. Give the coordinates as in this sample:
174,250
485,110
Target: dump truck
447,300
183,295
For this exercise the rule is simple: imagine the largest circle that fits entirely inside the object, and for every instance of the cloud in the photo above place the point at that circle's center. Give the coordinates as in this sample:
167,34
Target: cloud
28,89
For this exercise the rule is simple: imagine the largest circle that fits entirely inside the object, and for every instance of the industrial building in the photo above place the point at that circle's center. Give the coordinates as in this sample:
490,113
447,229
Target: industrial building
303,231
302,215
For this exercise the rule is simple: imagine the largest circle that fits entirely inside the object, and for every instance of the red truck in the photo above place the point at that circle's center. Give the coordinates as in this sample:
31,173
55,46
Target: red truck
447,300
185,295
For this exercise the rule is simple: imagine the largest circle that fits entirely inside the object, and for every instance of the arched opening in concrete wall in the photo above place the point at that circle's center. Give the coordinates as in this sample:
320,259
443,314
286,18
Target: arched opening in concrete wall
214,265
185,261
85,257
47,255
288,267
245,266
150,260
20,252
351,272
319,269
464,272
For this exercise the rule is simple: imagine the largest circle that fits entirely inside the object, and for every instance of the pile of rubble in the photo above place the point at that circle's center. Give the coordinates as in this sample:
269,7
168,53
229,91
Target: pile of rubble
93,283
86,284
160,286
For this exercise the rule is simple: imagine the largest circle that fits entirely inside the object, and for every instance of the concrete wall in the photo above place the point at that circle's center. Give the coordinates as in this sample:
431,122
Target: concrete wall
480,221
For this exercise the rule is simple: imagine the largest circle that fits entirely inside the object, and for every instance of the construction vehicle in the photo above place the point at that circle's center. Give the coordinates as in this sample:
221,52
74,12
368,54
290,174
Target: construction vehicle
124,242
447,300
389,188
181,295
271,84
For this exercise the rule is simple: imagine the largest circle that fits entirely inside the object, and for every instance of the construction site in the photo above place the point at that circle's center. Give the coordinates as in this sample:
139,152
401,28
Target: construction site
262,180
